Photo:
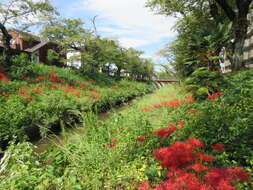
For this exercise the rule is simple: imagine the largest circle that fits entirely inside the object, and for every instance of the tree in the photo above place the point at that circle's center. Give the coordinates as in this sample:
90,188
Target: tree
69,33
235,11
21,14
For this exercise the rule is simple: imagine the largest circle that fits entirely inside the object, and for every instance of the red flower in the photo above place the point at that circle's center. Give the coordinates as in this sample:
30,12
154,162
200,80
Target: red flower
3,76
175,156
114,139
214,96
163,133
78,94
195,143
41,78
224,179
145,186
53,74
68,90
218,147
189,99
26,78
204,157
171,124
141,138
182,181
173,103
199,167
181,123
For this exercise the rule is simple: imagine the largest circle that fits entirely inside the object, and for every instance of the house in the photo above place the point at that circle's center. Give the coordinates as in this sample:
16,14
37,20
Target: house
74,58
33,45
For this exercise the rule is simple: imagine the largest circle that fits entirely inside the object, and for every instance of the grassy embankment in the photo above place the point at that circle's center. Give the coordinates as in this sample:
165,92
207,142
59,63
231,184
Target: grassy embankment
42,99
118,153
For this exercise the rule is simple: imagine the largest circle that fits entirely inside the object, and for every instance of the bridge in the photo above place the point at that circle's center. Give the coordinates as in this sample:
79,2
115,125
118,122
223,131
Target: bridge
166,80
161,82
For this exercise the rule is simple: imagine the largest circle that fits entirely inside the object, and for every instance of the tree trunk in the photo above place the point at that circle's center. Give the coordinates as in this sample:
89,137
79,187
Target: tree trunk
6,38
237,59
240,31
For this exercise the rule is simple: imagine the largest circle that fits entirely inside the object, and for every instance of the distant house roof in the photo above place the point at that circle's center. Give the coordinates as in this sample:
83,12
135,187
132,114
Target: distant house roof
26,35
38,46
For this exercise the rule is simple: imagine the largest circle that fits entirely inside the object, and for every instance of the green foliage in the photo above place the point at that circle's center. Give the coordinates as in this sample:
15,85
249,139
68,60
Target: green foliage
21,66
202,83
97,53
228,120
53,56
43,97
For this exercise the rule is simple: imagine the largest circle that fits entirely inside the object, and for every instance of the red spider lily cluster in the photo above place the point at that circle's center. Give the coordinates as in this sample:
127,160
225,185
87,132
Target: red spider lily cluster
188,169
3,76
113,143
214,96
75,88
171,104
95,94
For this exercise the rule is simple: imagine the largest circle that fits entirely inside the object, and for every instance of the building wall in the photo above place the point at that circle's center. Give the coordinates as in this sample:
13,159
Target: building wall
74,59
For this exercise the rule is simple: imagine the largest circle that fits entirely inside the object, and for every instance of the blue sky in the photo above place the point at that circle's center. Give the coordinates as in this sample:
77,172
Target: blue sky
128,21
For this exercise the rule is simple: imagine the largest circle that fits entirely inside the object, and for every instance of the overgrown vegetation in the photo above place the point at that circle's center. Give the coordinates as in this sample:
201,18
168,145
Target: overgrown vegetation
37,99
118,153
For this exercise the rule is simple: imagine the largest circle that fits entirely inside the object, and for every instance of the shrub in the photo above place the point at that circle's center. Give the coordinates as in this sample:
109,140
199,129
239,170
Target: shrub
203,83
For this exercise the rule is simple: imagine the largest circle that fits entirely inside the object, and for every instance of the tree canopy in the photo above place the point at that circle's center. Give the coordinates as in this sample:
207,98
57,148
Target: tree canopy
220,11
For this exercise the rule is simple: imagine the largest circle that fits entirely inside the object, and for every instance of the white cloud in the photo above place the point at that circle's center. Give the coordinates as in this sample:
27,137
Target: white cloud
130,21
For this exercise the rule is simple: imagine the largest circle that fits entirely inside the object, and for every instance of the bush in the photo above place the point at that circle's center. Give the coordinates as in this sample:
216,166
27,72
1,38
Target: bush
21,66
202,83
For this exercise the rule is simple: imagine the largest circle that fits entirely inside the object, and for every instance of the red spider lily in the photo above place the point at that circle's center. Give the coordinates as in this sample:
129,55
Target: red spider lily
53,88
171,124
147,109
68,90
26,78
3,76
199,167
163,133
184,119
173,103
175,156
181,123
30,99
200,156
183,181
114,139
78,94
141,138
189,99
195,143
95,94
41,78
85,83
145,186
218,147
222,179
214,96
38,90
157,105
53,74
55,79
